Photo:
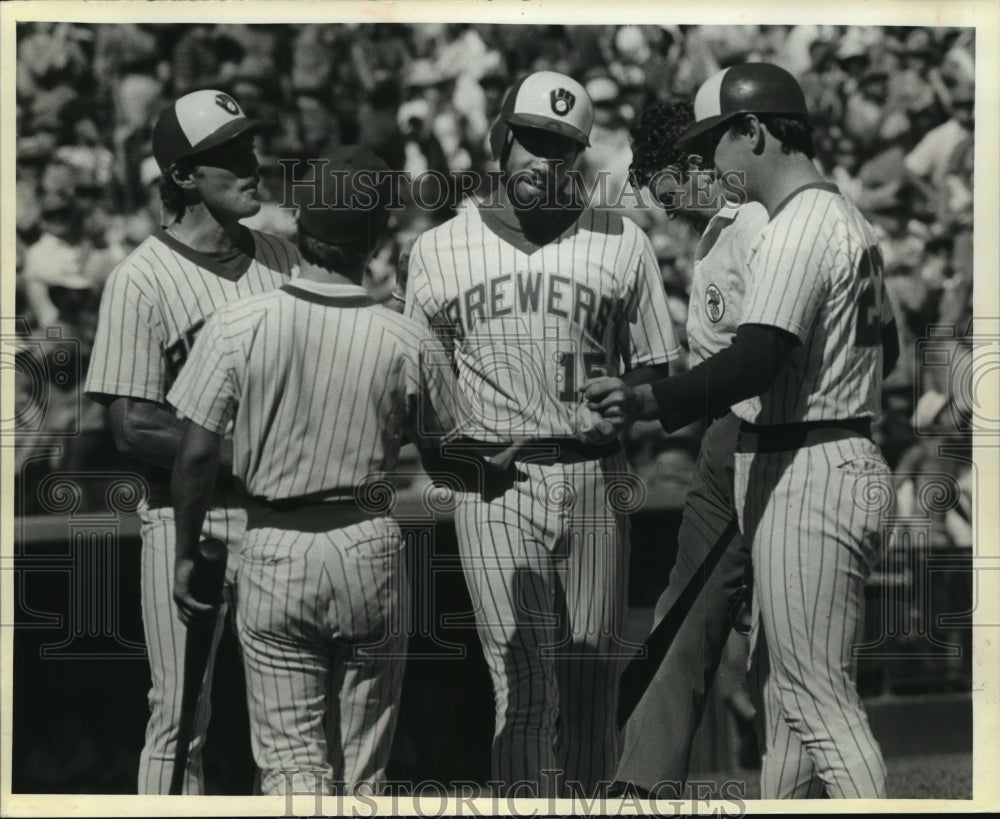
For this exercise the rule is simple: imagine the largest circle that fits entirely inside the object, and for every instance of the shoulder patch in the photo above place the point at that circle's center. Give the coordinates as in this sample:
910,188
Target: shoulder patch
715,304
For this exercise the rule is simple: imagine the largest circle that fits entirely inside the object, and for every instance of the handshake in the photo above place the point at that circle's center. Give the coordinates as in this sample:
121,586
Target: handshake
618,405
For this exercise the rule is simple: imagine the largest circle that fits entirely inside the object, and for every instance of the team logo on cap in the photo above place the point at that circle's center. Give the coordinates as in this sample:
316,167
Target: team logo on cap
228,103
714,303
562,101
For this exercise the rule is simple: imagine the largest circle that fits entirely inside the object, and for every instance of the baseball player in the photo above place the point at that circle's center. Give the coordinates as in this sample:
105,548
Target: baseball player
804,375
320,383
532,292
153,306
659,734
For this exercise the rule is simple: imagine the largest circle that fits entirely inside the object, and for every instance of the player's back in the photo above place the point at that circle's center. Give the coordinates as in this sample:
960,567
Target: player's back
323,378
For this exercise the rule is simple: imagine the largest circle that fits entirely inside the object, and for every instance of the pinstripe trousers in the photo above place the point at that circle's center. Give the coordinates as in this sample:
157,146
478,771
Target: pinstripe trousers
319,617
812,517
165,640
546,565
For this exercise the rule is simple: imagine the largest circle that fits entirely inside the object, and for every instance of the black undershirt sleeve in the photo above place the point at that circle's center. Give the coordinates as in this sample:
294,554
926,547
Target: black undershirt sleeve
646,374
744,369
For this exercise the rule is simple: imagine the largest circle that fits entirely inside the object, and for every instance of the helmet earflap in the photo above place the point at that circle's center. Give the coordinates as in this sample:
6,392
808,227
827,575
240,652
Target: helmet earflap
500,139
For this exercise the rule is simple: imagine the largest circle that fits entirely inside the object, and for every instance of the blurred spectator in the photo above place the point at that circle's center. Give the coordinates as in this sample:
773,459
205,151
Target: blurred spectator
931,159
81,146
883,178
51,60
604,166
196,62
317,127
822,83
313,56
378,53
911,84
864,109
129,58
481,106
426,83
72,251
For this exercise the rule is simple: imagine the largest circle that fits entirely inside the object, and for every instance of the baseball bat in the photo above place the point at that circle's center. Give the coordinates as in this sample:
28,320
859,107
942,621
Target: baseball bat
641,669
207,581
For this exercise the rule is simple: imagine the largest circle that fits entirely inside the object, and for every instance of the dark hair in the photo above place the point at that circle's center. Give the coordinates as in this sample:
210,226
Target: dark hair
794,133
345,259
171,194
654,137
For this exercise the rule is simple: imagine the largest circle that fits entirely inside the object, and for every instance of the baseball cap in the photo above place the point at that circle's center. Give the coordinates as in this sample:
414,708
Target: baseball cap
749,88
353,207
550,101
197,122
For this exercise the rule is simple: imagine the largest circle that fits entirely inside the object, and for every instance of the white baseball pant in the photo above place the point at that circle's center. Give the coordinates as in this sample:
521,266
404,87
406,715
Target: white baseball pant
812,516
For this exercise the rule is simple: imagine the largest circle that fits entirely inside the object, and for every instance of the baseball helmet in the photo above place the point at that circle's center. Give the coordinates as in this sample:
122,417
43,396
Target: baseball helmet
750,88
546,100
197,122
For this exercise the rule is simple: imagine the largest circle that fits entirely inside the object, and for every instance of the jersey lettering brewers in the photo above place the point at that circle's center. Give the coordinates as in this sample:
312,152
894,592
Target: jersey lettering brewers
529,325
546,562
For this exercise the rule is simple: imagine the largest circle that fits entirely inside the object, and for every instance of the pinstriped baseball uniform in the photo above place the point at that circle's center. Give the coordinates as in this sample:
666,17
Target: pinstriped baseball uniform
811,514
153,306
320,384
660,732
546,562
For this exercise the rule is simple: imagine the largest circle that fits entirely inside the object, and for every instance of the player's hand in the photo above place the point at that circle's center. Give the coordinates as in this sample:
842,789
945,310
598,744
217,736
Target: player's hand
189,610
619,403
499,477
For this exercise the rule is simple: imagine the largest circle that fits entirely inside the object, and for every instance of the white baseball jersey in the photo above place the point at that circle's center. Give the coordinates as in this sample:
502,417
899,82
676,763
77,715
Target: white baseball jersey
816,271
548,559
719,279
813,536
155,303
530,324
319,382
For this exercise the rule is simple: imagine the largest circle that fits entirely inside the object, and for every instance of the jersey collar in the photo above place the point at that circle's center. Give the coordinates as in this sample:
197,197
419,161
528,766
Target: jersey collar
823,186
231,268
328,294
502,221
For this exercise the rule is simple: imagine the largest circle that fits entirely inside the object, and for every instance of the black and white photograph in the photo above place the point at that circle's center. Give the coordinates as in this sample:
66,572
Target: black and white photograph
520,408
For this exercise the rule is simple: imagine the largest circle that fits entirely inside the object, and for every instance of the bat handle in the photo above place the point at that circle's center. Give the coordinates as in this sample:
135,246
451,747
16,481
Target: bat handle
208,580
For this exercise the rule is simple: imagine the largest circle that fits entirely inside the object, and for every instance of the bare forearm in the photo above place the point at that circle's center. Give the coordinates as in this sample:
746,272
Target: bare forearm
152,433
192,484
145,430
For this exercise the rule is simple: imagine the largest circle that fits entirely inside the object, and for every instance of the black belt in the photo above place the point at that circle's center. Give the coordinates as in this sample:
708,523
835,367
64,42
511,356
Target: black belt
548,451
785,437
307,514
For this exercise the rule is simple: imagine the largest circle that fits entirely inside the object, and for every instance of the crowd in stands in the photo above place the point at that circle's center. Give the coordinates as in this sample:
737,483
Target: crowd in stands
893,109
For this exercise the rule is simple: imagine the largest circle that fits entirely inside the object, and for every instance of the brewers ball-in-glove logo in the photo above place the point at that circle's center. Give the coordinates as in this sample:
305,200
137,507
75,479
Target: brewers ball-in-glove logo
227,102
562,101
714,303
